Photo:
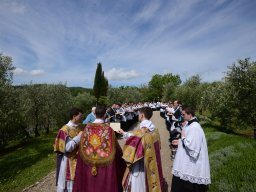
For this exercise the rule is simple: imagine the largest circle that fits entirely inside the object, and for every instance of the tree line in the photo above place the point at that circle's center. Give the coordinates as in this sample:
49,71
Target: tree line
232,101
32,109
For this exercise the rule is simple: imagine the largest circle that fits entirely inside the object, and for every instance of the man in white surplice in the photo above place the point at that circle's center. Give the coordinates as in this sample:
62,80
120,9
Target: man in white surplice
191,169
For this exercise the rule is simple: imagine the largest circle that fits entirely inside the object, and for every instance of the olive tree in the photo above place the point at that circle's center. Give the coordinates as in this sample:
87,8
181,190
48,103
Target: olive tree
11,124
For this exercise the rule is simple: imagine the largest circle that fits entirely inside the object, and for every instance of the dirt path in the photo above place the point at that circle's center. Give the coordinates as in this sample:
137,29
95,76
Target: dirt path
47,184
165,150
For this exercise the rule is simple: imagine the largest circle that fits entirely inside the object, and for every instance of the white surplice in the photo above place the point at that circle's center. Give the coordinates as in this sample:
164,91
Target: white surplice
191,161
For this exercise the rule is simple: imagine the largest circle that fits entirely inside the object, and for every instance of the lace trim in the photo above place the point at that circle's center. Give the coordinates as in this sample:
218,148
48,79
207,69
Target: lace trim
192,179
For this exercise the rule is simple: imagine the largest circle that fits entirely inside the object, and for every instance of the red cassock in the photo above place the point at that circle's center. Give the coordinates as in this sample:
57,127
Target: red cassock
100,166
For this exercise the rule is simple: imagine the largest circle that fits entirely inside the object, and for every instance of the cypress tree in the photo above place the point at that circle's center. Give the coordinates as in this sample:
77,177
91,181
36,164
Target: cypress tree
100,86
105,85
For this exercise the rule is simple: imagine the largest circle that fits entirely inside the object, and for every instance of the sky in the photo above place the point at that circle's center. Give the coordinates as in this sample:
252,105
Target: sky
61,41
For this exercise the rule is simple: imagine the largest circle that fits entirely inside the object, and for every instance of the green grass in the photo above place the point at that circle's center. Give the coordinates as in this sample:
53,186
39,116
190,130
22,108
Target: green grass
247,132
232,161
26,165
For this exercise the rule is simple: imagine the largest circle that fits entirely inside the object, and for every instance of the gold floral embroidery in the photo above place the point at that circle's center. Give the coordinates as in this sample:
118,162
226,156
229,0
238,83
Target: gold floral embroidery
97,146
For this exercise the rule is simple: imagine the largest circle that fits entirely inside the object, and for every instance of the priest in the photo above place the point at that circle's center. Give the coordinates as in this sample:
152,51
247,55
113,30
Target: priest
99,165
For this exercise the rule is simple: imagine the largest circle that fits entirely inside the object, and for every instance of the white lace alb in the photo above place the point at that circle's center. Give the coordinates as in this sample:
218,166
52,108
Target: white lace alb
192,179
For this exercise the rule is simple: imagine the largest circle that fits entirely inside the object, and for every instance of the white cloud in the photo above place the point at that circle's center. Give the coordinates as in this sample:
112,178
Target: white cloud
37,72
148,11
14,7
21,72
121,74
18,8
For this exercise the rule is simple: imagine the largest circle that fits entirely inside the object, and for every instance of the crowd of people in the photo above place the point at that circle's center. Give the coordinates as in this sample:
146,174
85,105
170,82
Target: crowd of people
89,157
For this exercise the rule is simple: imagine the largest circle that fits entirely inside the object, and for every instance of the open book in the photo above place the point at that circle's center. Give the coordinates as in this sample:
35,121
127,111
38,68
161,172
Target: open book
115,126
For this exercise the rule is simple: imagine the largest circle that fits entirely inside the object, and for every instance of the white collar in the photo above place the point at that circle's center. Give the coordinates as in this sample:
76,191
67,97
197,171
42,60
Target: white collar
98,121
71,124
148,124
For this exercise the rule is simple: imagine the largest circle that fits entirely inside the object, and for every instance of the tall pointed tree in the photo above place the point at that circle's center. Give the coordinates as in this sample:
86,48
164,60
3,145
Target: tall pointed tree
100,86
105,85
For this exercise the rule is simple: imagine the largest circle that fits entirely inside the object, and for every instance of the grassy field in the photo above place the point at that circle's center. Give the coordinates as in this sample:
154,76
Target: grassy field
232,161
27,164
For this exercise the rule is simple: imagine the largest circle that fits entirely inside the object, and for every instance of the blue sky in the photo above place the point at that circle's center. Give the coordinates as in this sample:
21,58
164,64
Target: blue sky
54,41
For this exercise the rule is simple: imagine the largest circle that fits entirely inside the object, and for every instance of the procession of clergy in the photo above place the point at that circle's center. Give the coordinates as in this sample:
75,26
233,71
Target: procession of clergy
89,158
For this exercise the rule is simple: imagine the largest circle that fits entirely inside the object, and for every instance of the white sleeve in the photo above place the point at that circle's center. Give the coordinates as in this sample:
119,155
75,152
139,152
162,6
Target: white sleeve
192,142
71,144
126,135
174,119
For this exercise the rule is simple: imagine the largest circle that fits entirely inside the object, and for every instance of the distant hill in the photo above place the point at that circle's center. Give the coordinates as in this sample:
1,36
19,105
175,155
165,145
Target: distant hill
76,90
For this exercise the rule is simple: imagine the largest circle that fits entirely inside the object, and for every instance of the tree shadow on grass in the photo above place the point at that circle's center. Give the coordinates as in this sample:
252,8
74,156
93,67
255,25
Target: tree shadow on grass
24,156
20,144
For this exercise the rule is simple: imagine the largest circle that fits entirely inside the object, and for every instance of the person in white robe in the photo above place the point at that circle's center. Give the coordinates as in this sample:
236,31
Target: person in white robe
191,169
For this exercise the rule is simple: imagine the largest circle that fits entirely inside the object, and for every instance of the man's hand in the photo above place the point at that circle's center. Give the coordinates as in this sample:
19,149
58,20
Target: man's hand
175,142
121,131
80,133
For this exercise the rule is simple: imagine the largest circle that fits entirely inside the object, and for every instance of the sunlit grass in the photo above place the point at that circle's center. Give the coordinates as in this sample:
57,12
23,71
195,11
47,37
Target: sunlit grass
232,161
27,164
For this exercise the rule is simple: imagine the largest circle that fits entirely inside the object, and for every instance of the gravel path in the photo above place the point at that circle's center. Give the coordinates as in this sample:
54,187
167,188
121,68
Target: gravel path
165,149
47,184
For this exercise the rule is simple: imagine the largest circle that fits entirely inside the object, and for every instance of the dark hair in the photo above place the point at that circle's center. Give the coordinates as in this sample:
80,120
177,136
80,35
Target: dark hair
74,112
178,102
147,111
189,111
100,111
